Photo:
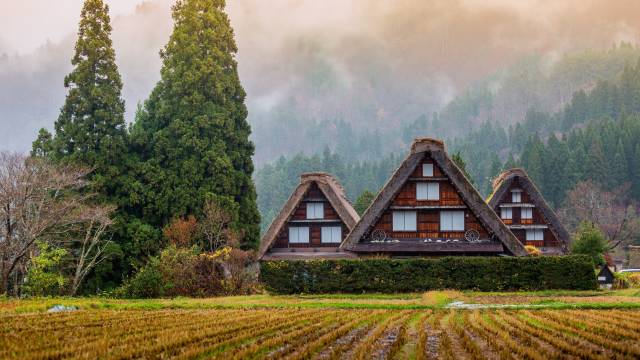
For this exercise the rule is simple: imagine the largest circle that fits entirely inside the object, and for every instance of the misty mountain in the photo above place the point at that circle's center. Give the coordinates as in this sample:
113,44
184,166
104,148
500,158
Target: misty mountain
337,73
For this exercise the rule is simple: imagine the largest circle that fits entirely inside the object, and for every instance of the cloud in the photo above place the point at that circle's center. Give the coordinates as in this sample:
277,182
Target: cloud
374,64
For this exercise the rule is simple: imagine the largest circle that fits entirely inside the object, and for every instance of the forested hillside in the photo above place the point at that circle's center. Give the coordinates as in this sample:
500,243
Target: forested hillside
559,125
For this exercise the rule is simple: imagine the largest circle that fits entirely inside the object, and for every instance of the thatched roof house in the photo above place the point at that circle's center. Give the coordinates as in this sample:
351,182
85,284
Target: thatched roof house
428,207
312,223
524,210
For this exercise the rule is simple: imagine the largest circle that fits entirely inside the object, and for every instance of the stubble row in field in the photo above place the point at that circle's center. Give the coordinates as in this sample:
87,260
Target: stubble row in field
323,334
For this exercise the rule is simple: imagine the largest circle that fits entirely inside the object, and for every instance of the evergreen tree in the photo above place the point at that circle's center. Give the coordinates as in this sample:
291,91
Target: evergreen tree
457,158
532,159
192,134
511,162
495,170
596,166
43,145
90,129
364,200
589,240
636,177
618,173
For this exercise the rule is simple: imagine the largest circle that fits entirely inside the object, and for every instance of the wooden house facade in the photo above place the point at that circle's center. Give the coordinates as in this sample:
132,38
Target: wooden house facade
522,208
428,207
312,223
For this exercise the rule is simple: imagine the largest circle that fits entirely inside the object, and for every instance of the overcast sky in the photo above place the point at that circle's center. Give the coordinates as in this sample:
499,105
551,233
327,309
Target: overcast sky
336,59
27,24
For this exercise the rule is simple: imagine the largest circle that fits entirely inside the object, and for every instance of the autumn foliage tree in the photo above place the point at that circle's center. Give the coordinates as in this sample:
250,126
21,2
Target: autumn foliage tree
181,231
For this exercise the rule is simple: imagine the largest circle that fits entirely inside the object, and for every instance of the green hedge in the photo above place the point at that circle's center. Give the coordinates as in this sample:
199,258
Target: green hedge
413,275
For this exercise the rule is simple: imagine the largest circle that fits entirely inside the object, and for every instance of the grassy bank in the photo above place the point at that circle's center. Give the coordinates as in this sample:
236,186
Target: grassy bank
620,299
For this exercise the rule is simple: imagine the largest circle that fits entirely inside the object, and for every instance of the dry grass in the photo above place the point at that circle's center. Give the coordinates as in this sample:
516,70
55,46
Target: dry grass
320,333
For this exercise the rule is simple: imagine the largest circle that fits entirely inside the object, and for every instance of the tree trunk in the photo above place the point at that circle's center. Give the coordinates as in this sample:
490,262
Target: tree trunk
5,283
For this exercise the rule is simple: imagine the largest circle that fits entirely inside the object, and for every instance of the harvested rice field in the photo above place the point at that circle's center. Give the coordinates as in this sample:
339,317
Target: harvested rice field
322,333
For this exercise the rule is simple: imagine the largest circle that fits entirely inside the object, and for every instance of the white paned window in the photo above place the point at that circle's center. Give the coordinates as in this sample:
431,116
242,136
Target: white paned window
516,196
526,213
299,235
427,169
428,191
331,234
405,221
452,221
535,235
506,213
315,210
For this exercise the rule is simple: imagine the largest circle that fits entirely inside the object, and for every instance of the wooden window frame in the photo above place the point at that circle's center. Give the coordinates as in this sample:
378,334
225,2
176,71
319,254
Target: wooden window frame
430,187
429,173
297,230
314,205
331,230
451,213
404,214
502,213
535,232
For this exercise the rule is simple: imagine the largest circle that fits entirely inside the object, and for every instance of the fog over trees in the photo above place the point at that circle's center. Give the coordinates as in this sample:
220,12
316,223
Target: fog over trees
333,64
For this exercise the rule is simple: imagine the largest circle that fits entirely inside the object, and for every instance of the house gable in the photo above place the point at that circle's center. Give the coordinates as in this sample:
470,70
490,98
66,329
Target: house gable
314,220
522,207
473,228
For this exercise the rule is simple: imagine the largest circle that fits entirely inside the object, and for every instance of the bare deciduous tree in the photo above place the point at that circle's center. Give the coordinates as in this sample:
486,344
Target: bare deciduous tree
612,212
34,203
90,242
214,226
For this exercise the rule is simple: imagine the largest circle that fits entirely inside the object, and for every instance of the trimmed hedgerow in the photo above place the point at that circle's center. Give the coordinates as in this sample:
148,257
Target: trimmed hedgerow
411,275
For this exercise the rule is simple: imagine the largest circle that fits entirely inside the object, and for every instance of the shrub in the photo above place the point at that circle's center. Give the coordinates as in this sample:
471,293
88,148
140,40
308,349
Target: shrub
414,275
626,281
147,282
45,276
590,241
532,250
186,272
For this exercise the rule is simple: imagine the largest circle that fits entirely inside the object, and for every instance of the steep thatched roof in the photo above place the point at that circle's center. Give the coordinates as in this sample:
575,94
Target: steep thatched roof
330,187
469,194
502,184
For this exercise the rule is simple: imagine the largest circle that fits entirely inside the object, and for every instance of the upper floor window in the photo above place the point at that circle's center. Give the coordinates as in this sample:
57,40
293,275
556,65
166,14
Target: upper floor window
506,213
516,196
299,235
315,210
535,235
331,234
405,221
427,170
527,213
452,221
428,191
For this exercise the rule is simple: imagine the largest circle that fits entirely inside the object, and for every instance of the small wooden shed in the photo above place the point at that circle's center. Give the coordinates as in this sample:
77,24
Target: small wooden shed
605,277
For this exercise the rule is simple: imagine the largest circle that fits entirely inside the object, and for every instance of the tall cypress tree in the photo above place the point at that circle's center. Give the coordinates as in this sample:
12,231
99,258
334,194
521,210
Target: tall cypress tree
192,134
90,129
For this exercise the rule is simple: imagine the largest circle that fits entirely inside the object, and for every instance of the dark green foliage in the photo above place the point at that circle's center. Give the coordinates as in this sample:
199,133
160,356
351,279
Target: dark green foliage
192,136
590,241
363,201
90,130
457,158
43,145
414,275
147,282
